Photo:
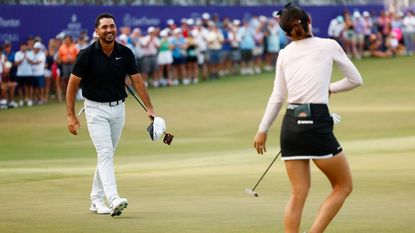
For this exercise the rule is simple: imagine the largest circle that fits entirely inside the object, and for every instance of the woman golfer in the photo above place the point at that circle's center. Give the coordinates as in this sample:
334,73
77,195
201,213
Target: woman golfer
303,77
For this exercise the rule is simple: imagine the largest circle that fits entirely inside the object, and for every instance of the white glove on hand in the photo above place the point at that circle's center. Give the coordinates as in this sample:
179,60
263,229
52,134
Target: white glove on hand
336,118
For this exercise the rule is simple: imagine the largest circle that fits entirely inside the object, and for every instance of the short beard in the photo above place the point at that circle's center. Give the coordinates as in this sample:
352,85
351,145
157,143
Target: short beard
105,41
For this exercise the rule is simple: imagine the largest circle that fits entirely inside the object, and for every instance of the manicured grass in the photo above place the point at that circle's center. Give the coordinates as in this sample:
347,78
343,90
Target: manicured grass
196,184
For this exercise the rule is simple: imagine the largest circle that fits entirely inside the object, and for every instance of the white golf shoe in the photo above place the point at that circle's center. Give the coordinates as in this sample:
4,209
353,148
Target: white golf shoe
98,206
118,205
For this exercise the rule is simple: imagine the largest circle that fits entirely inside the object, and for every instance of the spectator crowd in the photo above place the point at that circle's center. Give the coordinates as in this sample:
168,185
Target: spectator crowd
365,34
191,51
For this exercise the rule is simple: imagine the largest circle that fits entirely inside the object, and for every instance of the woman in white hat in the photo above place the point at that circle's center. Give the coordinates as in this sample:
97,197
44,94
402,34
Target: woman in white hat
165,58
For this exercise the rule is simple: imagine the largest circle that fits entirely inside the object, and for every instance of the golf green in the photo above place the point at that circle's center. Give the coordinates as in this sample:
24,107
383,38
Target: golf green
197,184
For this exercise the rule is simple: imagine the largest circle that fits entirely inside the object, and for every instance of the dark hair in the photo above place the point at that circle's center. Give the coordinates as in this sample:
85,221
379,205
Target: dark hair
294,22
298,32
68,36
102,16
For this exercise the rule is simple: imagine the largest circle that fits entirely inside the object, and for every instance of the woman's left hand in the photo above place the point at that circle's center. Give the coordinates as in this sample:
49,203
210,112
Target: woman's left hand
259,142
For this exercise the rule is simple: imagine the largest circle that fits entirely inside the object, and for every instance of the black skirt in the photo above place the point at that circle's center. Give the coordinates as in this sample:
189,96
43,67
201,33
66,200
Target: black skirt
307,133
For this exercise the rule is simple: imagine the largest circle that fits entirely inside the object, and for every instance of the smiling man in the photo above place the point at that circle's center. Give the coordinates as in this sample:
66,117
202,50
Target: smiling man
100,69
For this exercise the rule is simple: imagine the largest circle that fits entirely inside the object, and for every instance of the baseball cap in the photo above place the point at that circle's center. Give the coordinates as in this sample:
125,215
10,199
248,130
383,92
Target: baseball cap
356,14
37,45
206,16
151,29
170,22
156,128
164,32
60,36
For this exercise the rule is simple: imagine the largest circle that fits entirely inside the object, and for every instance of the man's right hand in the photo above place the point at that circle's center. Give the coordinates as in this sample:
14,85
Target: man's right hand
73,124
73,85
150,114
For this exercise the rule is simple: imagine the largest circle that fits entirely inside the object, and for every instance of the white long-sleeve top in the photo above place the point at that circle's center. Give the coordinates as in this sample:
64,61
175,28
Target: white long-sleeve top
303,75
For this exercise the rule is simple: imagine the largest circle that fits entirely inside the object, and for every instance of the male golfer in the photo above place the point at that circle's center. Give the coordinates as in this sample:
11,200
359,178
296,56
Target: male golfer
101,69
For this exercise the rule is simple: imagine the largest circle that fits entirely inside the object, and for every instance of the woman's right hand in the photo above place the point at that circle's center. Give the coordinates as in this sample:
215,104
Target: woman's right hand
259,142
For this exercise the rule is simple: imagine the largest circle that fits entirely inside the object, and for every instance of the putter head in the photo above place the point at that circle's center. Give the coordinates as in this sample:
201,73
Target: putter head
168,138
251,192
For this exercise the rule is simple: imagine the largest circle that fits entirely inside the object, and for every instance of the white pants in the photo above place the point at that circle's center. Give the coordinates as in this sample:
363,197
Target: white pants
105,125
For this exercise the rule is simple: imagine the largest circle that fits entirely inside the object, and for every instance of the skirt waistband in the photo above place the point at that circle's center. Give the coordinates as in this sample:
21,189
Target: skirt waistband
307,110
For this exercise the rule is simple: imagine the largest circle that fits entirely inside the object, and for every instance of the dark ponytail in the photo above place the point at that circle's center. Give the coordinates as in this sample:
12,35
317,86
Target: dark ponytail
298,30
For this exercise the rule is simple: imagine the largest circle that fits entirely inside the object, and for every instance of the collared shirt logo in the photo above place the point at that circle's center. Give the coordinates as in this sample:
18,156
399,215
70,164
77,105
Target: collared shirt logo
118,58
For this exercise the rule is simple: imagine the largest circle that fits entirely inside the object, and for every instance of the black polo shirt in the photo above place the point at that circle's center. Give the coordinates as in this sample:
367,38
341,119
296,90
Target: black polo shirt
103,77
